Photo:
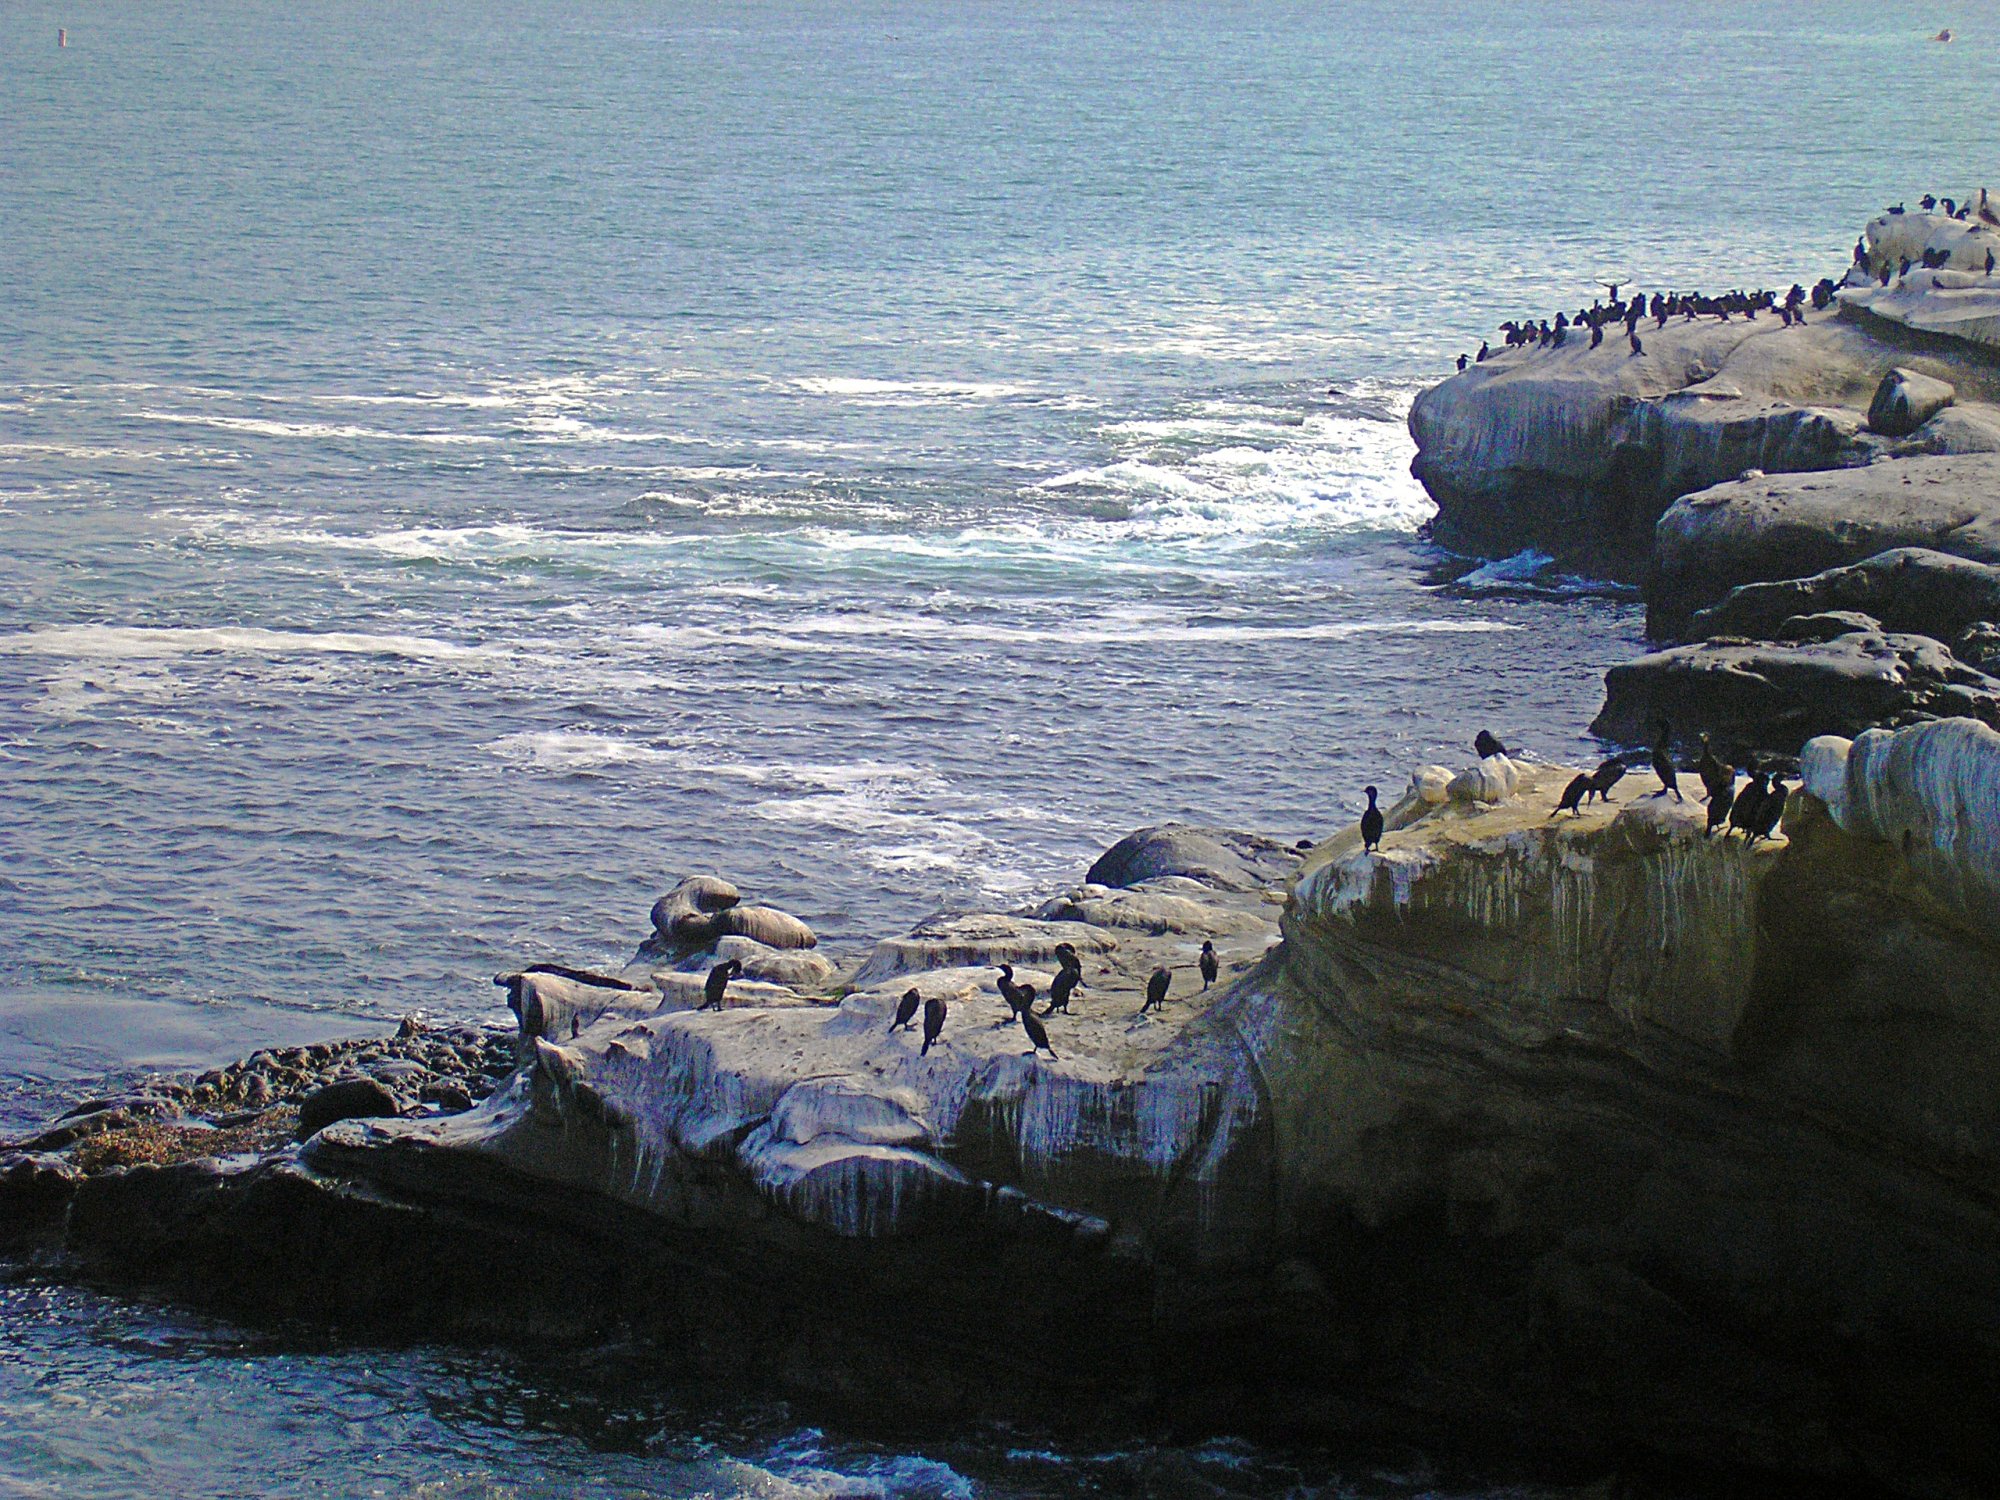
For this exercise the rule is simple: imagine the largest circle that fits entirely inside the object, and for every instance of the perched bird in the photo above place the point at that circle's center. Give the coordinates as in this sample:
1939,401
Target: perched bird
1572,798
1066,955
1156,989
1066,981
1716,778
934,1014
1484,745
1371,824
1014,994
716,986
1720,800
906,1009
1210,965
1663,764
1038,1034
1749,804
575,1027
1632,338
1607,775
1771,810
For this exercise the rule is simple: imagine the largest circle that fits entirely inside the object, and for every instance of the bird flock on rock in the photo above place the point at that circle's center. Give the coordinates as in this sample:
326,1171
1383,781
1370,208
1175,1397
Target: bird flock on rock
1753,811
1020,997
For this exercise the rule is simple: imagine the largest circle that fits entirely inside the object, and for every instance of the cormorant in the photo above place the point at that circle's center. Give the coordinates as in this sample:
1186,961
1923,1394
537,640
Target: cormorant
1989,262
1463,361
1770,810
1484,353
1927,203
1749,803
1210,964
1064,985
1484,745
1371,824
934,1013
1011,992
716,986
1720,800
575,1027
1632,337
1716,778
906,1009
1038,1034
1156,989
1066,956
1573,795
1663,764
1607,775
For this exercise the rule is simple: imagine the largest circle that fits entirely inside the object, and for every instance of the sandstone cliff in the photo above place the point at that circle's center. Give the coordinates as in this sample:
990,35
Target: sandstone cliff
1557,1134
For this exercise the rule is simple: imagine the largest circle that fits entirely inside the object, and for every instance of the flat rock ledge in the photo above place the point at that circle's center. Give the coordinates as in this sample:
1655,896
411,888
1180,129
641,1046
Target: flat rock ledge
1559,1136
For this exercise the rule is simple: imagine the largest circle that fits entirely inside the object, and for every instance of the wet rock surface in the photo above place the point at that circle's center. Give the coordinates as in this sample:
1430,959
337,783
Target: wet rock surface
1908,589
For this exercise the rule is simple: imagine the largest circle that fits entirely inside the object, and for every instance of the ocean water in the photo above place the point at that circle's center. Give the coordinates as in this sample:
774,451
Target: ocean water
464,466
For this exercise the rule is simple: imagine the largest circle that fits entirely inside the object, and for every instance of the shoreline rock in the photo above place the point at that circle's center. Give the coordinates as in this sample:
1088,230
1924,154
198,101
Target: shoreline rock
1531,1133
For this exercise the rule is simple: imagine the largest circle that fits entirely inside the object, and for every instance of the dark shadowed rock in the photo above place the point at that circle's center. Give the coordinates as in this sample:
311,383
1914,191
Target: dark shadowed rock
1777,695
1905,400
355,1099
1216,857
34,1195
1912,589
1791,526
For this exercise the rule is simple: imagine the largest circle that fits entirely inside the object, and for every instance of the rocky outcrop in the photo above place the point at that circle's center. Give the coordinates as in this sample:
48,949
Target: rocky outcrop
1577,451
1905,400
1830,678
1792,526
1908,589
1554,1134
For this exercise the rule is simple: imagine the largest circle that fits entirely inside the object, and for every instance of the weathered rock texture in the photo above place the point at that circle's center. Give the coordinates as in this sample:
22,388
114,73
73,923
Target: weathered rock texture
1791,526
1577,451
1568,1135
1776,695
1909,589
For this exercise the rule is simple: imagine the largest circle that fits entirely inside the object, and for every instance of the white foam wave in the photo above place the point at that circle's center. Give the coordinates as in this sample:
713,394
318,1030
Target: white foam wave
908,391
262,427
126,642
812,632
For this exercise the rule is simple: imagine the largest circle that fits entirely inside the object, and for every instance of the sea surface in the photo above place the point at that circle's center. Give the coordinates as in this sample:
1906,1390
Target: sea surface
464,466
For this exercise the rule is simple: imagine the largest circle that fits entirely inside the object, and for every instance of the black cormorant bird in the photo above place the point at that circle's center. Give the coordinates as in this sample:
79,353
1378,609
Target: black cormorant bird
1011,992
716,986
1663,764
1720,800
1371,824
1749,803
1156,989
1038,1034
1066,981
934,1014
906,1009
1771,810
1632,338
1572,798
1484,745
1066,956
1716,779
575,1027
1210,964
1607,775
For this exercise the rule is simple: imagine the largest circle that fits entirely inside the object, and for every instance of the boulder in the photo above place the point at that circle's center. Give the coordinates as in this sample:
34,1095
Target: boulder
35,1193
1828,625
1220,858
1795,525
1776,696
1909,589
1905,400
979,940
356,1099
796,967
1154,911
1492,780
1956,429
